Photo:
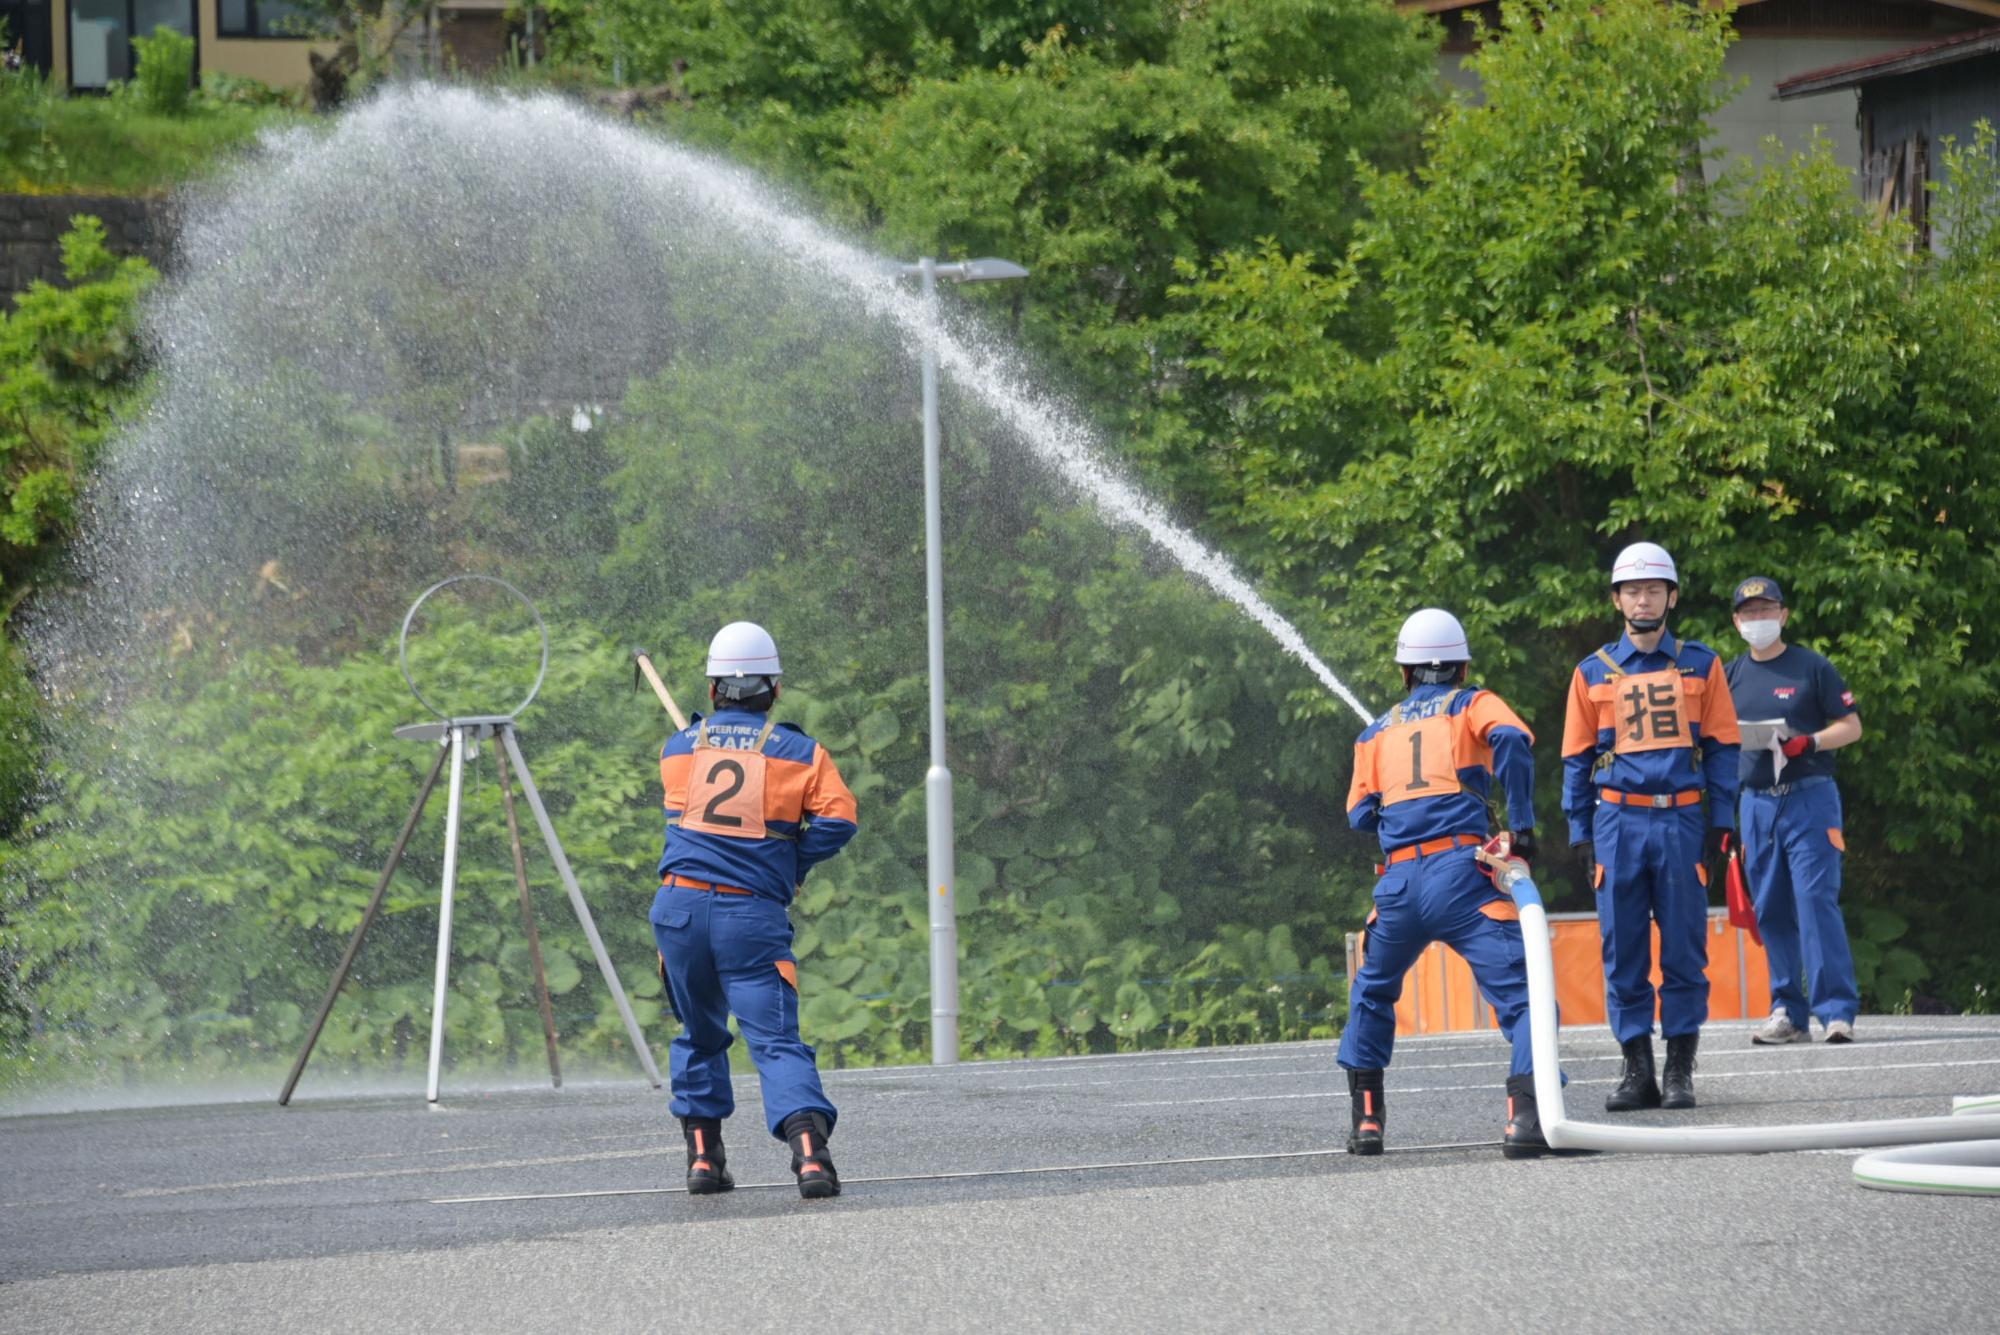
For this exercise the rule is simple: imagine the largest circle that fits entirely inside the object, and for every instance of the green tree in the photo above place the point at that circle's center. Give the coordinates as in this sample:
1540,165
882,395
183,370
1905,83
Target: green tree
1106,146
70,360
70,363
166,71
1592,345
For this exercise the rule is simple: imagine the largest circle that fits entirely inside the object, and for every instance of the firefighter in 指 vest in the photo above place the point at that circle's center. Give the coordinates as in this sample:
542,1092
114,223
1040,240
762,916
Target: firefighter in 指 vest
1650,733
1422,773
752,805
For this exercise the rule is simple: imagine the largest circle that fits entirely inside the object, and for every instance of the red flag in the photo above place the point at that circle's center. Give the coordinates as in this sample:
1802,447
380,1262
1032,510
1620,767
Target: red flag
1741,914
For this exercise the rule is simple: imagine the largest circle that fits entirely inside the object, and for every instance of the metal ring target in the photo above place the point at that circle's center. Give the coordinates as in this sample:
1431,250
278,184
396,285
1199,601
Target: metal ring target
403,641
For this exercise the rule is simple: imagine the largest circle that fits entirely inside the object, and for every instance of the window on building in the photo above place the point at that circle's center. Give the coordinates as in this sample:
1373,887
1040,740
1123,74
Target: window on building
264,18
101,32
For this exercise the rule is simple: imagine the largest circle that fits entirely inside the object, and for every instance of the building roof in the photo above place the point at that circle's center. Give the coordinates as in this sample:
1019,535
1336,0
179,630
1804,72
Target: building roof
1889,64
1986,8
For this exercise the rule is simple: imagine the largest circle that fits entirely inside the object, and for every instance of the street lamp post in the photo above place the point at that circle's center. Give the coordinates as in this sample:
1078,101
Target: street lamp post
941,887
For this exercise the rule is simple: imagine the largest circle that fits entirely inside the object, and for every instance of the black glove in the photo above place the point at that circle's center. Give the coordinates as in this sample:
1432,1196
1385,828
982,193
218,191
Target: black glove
1523,846
1716,854
1585,854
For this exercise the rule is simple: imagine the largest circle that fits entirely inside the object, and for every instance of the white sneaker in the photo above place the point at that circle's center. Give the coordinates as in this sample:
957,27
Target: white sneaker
1839,1031
1780,1029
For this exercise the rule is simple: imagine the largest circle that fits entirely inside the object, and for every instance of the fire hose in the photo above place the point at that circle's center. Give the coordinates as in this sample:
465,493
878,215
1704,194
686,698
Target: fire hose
1958,1154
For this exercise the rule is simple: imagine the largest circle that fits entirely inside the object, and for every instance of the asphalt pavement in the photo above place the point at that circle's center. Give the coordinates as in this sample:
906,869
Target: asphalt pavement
1191,1190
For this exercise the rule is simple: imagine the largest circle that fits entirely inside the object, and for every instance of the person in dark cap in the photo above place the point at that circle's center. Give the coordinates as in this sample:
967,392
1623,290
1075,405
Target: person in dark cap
1791,819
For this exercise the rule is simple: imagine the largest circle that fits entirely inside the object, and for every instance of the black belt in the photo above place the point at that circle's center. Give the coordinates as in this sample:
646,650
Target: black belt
1780,789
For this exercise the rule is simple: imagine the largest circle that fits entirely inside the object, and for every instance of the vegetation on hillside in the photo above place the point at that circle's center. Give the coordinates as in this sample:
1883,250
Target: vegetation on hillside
1388,349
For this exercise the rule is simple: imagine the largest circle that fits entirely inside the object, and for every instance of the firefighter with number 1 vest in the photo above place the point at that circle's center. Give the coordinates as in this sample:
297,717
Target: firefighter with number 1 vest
1650,733
1422,773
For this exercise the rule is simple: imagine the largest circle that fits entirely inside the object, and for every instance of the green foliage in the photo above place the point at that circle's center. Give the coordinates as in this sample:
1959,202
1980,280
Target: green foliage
1466,383
1103,175
185,901
1105,146
1885,971
69,363
20,736
188,902
242,90
54,144
1592,345
28,102
166,71
800,59
1150,844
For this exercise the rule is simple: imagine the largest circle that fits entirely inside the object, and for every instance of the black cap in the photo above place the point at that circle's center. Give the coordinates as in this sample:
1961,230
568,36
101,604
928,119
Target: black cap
1758,586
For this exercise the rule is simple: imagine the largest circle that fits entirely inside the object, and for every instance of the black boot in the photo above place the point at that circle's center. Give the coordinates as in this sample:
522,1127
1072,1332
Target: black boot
811,1164
1523,1138
1638,1089
1677,1079
708,1167
1371,1113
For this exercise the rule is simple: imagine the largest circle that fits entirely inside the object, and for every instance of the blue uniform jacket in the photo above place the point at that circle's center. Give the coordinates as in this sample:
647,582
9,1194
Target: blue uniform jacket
1633,727
1424,769
761,827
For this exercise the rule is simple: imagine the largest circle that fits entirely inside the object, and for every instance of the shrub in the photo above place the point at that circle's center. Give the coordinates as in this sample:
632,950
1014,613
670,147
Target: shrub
166,71
243,91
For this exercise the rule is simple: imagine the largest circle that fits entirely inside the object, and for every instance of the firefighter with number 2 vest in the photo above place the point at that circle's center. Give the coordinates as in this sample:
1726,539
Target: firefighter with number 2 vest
752,805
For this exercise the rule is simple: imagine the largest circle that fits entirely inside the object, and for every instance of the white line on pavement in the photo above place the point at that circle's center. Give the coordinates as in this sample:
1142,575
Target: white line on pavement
1593,1080
979,1172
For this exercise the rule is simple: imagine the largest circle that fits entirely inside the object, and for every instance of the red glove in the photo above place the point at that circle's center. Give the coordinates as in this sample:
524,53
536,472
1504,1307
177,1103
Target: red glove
1794,747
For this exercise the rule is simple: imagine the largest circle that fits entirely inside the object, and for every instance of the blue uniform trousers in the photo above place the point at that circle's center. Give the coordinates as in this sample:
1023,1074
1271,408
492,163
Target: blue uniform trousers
1794,870
722,953
1651,858
1424,899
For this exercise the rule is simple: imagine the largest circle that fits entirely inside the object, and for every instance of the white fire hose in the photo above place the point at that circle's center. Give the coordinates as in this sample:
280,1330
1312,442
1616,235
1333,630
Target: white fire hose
1922,1165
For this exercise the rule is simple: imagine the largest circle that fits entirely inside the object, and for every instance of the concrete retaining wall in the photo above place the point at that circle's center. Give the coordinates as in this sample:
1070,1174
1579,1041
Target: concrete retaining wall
32,226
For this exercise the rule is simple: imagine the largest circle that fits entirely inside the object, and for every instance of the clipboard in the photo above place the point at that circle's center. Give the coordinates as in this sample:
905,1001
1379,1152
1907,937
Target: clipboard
1766,735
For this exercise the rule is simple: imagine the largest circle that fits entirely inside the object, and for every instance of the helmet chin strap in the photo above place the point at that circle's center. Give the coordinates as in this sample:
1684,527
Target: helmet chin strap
775,689
1645,627
1433,674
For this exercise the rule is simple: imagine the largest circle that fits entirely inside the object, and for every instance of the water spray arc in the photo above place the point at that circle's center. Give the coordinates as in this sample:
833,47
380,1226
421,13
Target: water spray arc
1962,1168
310,340
991,374
458,739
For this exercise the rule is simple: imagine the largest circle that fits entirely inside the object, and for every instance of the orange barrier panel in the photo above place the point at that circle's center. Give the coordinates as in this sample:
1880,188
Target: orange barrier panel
1440,996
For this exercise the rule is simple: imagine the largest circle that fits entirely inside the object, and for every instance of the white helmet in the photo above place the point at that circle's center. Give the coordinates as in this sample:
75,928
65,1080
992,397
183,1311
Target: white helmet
743,649
1432,635
1644,560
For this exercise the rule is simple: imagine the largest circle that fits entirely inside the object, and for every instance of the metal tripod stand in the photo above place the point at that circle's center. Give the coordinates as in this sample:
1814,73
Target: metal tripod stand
458,741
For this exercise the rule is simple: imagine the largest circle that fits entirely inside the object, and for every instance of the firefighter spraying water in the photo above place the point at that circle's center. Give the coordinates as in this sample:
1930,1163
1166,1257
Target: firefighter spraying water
752,805
1422,773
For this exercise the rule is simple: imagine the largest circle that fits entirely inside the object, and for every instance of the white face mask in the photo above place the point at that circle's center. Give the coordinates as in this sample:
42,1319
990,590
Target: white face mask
1759,634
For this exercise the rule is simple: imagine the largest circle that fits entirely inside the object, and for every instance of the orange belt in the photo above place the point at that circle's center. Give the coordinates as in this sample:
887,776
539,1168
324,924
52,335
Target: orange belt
1685,798
689,883
1428,847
